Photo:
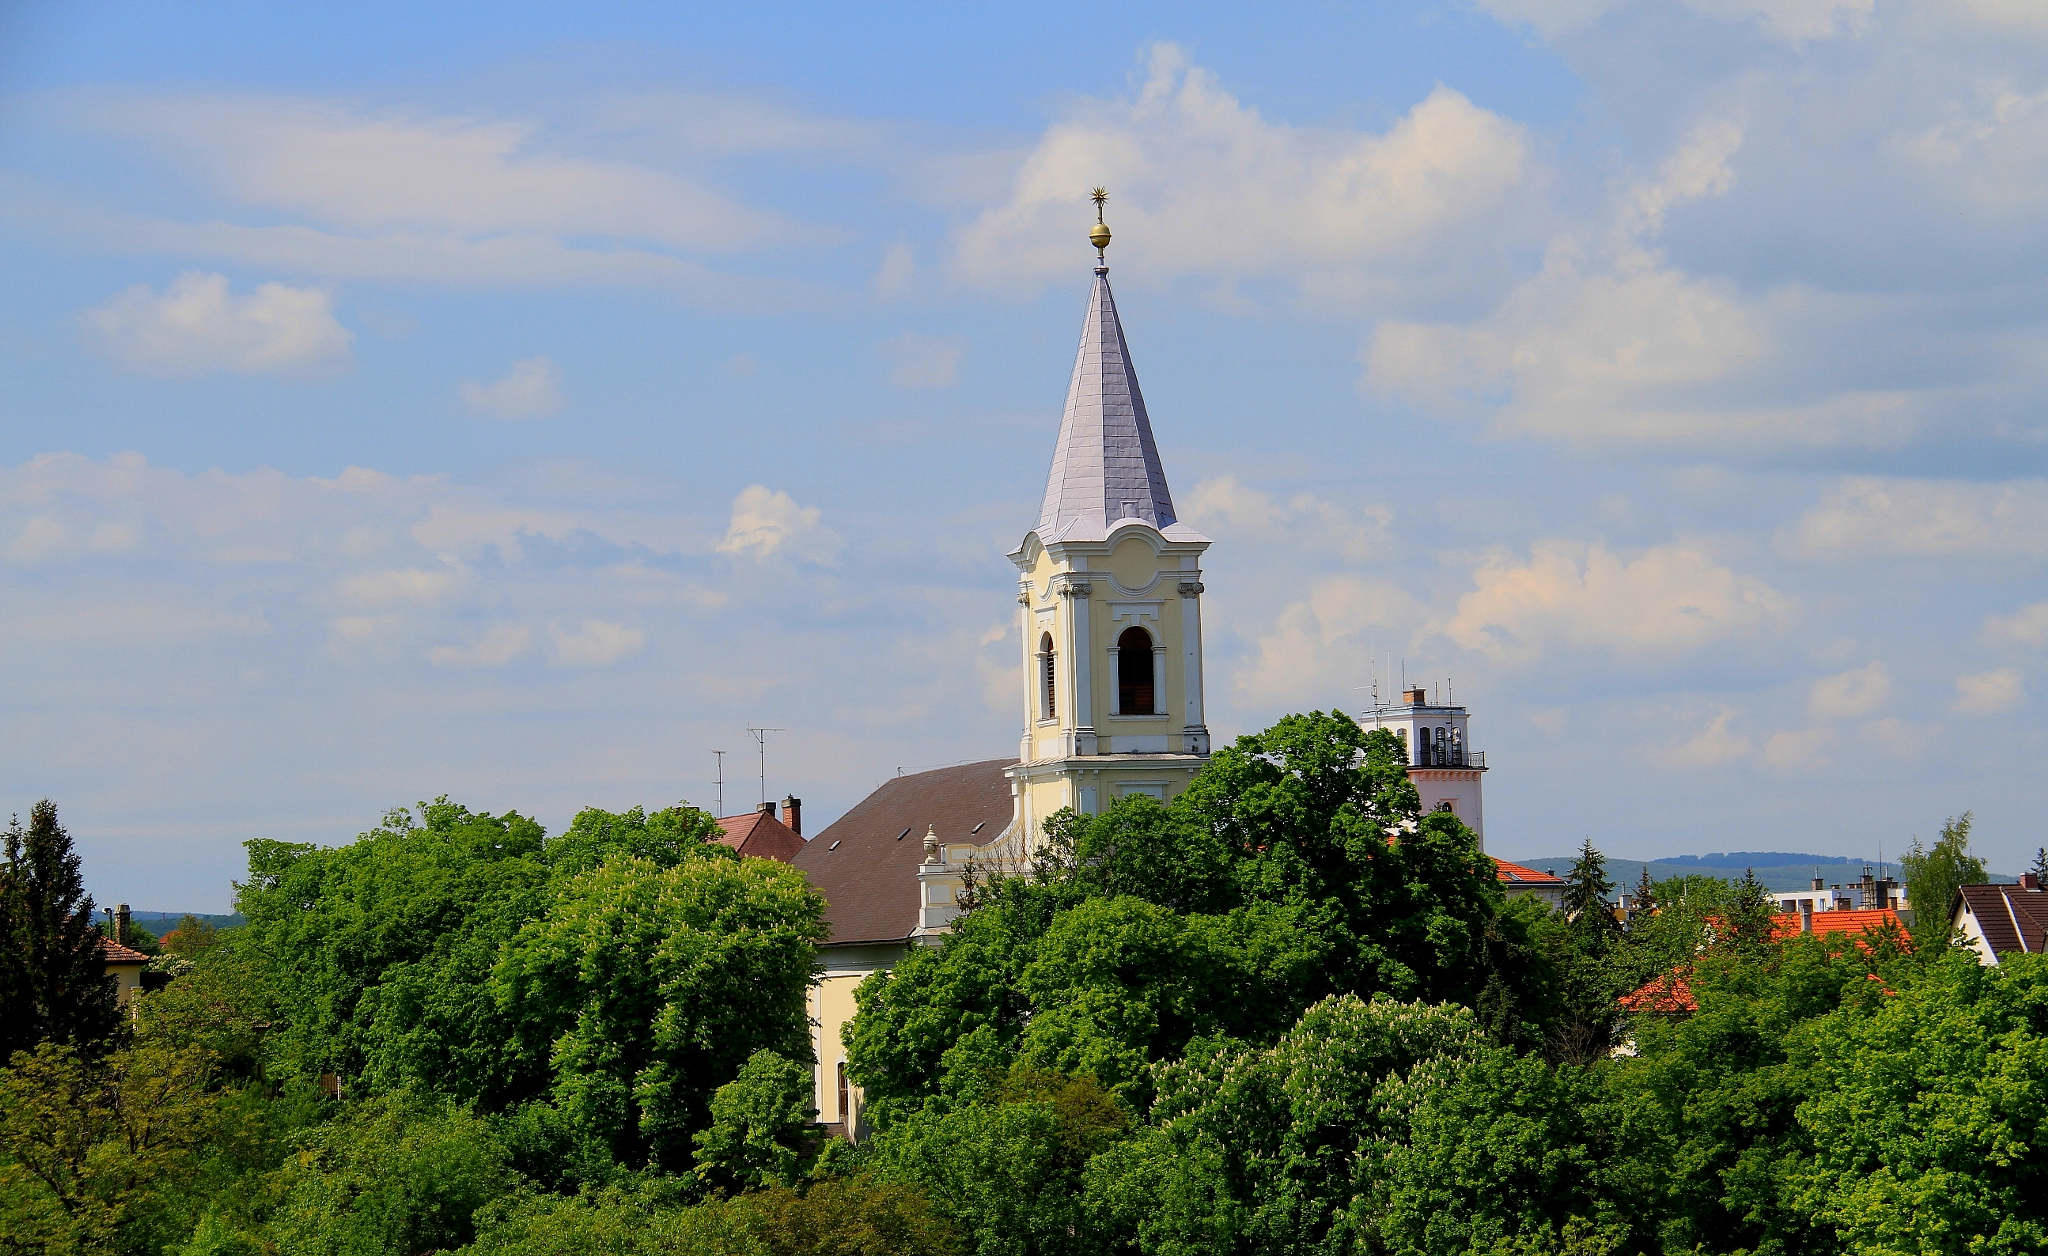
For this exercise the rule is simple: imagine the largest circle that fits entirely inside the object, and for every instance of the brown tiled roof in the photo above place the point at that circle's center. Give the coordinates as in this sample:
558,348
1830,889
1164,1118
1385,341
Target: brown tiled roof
2013,919
113,952
759,835
865,862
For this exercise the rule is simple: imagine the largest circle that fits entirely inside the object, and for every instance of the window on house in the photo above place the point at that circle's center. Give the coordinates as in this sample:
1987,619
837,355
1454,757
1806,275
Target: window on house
1045,665
845,1109
1134,672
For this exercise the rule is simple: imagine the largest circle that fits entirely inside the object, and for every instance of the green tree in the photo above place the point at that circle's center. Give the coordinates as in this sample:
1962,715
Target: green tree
1584,947
1933,873
191,938
1279,1150
761,1132
643,988
1505,1152
1297,864
400,1174
2040,868
52,972
857,1215
1007,1161
1927,1110
88,1145
380,952
1587,891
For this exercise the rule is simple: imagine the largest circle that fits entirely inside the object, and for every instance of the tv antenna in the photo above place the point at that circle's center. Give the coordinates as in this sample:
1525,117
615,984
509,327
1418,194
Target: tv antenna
760,736
720,755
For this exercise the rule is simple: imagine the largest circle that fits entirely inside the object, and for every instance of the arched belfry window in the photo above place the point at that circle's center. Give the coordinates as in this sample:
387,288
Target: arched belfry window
1134,673
1047,682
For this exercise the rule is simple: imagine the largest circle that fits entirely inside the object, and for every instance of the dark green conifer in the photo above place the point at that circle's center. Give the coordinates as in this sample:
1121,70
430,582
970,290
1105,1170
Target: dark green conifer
56,984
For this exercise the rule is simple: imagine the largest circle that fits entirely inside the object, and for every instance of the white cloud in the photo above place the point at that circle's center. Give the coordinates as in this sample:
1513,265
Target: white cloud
596,644
39,538
1203,184
198,326
1321,648
1989,693
1868,515
898,268
1795,751
769,522
2025,626
1791,20
922,361
1712,746
410,586
1850,694
495,648
367,170
1226,506
1666,601
532,389
1895,736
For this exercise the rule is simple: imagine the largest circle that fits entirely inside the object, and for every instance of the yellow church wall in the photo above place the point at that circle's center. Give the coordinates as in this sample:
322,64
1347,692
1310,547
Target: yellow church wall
831,1006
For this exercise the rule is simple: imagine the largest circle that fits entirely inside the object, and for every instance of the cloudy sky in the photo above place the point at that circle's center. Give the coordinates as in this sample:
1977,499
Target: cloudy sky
517,403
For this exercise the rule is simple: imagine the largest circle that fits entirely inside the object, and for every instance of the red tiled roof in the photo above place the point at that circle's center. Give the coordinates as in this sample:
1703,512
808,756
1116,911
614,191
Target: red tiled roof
759,835
2012,918
1667,994
113,952
865,862
1789,925
1517,874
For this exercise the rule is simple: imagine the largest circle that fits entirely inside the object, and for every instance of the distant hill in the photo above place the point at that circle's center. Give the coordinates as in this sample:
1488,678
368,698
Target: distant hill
159,921
1779,870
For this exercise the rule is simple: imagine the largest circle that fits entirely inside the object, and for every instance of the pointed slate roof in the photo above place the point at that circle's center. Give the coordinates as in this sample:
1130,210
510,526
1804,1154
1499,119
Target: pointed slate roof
1105,467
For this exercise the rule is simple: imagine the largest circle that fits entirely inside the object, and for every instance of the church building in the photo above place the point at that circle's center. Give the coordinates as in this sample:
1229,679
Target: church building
1109,701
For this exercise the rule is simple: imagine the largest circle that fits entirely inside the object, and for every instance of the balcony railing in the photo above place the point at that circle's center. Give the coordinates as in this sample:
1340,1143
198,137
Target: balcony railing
1453,757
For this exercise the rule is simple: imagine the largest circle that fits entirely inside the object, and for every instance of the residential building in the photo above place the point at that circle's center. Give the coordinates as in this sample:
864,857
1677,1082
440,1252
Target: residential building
761,835
1516,881
2001,920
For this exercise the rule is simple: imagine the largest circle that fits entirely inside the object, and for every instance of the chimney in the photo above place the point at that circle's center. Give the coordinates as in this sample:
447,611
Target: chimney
1806,915
793,814
765,809
121,918
2030,882
1418,696
1818,884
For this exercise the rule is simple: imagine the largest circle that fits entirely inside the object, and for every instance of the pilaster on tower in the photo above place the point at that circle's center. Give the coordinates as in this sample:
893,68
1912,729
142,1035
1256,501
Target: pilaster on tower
1109,591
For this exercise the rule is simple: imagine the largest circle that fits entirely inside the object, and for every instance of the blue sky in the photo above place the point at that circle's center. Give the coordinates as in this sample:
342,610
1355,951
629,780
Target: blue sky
516,402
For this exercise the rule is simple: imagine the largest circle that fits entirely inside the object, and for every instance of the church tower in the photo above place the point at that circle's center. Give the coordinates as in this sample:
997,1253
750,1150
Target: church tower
1109,600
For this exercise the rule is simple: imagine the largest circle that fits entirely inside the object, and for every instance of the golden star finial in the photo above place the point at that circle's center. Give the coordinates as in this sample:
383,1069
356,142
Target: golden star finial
1099,237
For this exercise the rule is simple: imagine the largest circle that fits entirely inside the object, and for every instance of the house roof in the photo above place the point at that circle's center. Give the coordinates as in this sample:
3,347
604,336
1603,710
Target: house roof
1516,874
1671,994
759,835
1106,465
865,862
1790,924
112,952
2012,918
1667,994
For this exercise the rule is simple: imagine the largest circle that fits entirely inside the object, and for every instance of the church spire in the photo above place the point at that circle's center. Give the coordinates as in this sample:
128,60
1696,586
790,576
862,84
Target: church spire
1106,466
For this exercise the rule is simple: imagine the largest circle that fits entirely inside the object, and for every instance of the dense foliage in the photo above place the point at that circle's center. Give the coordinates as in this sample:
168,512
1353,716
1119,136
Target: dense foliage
1286,1012
53,982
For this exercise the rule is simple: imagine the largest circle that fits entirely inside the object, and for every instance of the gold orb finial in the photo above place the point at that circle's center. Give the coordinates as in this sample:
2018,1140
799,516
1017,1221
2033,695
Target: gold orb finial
1099,237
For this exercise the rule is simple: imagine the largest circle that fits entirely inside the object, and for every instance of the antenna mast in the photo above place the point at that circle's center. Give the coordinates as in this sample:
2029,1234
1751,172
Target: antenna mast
760,736
720,755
